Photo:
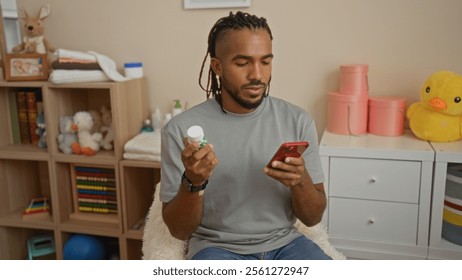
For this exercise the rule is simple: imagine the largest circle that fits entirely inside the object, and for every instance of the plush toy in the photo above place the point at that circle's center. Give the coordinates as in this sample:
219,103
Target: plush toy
97,121
34,40
106,129
88,143
41,130
438,115
66,135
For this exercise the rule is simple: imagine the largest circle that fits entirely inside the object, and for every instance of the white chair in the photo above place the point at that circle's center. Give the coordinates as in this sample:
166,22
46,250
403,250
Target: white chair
158,244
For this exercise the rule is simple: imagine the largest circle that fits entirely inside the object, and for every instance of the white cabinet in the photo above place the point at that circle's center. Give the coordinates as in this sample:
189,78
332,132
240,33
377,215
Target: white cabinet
379,194
445,153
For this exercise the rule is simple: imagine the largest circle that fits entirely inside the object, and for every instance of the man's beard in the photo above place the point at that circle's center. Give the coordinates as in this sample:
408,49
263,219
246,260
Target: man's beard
234,94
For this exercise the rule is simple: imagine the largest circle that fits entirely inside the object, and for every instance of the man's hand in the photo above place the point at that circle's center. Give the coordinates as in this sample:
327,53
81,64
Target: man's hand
308,199
198,163
291,172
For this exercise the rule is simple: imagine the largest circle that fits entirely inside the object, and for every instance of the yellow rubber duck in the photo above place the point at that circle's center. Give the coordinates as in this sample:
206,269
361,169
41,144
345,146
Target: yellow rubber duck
438,115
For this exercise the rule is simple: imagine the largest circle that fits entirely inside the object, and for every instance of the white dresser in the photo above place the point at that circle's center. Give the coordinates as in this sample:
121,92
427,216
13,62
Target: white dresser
379,195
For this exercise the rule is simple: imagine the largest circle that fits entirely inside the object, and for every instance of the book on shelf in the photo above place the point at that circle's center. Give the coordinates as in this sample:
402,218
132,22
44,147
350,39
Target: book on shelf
28,105
21,105
34,107
14,117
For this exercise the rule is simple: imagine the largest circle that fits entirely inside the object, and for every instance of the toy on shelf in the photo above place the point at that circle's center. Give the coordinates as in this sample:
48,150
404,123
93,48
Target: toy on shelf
40,245
38,207
83,247
106,129
94,191
88,143
66,135
102,123
438,115
97,121
41,130
34,40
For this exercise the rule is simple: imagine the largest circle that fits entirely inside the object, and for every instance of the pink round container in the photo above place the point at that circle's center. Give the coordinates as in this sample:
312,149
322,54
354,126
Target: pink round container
387,115
347,114
353,79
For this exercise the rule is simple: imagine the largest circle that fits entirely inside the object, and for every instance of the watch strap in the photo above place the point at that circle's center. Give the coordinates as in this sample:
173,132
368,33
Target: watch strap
190,187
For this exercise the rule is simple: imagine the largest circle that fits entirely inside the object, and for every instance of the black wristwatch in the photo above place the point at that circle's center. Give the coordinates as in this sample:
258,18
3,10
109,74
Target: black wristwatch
190,187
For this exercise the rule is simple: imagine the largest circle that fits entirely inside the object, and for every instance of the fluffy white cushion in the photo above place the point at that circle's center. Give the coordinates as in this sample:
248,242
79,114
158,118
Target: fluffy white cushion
158,244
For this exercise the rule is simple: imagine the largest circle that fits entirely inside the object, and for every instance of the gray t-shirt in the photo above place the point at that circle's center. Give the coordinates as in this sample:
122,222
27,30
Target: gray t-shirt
245,210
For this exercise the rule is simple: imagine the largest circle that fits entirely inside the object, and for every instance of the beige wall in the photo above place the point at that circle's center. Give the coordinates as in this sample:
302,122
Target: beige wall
403,41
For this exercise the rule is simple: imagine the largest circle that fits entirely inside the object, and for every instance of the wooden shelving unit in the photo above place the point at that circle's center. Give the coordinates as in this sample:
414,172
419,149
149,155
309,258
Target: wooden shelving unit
27,171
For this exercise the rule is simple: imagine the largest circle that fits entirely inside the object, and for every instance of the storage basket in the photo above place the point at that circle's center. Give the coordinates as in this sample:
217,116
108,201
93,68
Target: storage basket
353,79
347,114
387,115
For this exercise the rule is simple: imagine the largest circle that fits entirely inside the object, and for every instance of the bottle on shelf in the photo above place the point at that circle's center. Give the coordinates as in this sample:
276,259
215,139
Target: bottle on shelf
147,127
167,117
177,107
156,118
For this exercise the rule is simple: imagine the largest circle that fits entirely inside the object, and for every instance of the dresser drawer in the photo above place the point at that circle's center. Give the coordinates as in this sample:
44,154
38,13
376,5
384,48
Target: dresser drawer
389,180
373,220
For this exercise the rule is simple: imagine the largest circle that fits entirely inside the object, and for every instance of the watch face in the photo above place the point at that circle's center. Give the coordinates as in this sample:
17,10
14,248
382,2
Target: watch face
185,182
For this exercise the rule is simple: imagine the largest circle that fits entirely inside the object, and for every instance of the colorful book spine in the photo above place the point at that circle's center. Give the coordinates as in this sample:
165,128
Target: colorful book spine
32,111
21,104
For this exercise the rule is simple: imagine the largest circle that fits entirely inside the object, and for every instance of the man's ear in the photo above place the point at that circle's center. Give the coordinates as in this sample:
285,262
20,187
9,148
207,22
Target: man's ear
216,66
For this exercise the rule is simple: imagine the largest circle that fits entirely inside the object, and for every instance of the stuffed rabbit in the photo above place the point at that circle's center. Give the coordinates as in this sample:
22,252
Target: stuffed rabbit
33,29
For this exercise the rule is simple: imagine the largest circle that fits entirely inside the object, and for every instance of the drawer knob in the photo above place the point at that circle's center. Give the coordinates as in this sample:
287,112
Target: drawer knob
371,221
373,180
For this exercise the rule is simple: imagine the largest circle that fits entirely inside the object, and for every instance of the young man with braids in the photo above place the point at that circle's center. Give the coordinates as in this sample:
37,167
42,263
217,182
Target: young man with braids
221,197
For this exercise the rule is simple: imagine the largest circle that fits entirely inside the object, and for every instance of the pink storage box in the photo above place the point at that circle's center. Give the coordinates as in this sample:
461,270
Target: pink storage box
387,115
353,79
347,114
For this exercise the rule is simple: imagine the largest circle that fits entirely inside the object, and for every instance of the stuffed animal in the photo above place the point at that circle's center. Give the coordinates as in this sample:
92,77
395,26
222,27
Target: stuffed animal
97,122
88,143
106,129
66,135
34,40
41,130
438,115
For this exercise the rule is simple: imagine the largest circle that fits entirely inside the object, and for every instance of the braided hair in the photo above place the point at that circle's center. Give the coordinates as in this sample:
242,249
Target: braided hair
236,21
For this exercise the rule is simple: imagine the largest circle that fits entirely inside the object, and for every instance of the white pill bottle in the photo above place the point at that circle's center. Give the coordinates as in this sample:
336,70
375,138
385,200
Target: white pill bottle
196,134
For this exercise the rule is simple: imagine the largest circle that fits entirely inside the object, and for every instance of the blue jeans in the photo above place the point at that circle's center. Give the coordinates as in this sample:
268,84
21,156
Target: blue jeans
301,248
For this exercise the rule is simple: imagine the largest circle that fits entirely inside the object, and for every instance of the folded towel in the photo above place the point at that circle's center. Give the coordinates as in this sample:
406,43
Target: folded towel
75,60
77,76
75,66
74,54
141,157
108,66
146,143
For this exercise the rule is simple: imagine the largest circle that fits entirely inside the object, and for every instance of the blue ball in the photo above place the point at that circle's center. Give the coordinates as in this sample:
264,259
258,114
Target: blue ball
83,247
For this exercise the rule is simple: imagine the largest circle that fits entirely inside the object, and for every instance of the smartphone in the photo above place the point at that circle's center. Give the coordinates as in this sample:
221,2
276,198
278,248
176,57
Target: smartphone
289,149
